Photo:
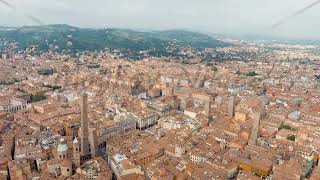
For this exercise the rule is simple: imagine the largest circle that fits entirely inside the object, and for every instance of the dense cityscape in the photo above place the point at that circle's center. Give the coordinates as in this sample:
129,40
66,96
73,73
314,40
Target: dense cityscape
159,90
247,111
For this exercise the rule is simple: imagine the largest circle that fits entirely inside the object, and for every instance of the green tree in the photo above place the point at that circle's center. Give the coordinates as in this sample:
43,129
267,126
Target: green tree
252,73
284,126
55,87
291,137
47,72
214,68
38,97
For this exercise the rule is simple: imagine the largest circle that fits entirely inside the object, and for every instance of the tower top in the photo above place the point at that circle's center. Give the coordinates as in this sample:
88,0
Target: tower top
75,140
84,93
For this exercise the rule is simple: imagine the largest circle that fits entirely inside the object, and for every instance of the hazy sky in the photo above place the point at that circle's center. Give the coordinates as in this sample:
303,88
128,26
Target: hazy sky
216,16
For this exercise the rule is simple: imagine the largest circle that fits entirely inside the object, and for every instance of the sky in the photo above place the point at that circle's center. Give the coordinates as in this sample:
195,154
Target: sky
236,17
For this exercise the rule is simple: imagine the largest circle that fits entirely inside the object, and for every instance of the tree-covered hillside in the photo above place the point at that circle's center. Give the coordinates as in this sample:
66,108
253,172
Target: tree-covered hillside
64,37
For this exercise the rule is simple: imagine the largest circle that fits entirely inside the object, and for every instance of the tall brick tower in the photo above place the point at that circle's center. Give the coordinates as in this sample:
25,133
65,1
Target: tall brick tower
255,128
93,140
84,134
231,106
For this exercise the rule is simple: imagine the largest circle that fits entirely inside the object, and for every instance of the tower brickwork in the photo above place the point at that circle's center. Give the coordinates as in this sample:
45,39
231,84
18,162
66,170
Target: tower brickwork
231,106
84,134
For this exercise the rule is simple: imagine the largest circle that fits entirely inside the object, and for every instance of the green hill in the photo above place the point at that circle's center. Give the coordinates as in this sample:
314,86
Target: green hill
44,37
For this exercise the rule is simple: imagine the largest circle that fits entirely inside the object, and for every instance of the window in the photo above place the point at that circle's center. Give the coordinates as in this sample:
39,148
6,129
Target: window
68,169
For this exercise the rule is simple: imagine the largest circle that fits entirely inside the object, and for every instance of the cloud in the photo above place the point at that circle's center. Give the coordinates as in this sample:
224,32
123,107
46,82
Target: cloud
220,16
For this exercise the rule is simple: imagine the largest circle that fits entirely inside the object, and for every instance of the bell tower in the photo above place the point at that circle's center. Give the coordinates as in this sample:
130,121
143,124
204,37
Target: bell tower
76,152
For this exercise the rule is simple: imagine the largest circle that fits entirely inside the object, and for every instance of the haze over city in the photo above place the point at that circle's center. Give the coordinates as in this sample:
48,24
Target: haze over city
234,17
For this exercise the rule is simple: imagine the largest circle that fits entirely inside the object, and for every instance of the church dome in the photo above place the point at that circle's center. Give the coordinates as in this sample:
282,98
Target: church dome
62,147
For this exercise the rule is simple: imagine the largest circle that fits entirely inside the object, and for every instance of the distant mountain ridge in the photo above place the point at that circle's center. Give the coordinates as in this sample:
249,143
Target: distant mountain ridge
96,39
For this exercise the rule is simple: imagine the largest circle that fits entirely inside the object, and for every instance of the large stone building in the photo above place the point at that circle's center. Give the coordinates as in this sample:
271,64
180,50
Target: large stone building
12,105
123,87
115,129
